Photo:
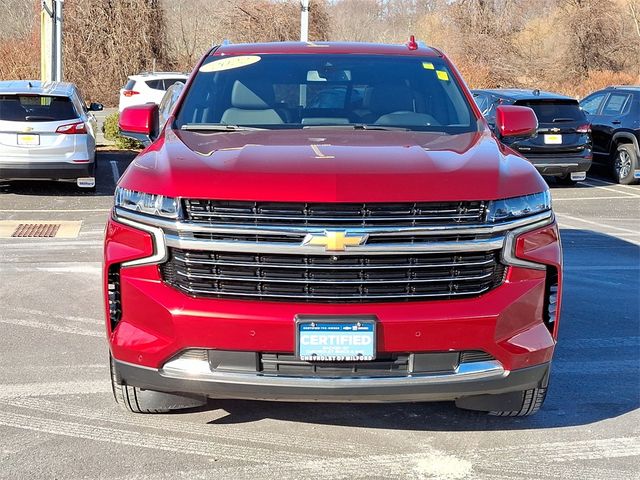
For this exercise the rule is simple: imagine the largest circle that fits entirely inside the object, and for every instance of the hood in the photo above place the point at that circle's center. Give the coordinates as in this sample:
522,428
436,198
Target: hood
329,165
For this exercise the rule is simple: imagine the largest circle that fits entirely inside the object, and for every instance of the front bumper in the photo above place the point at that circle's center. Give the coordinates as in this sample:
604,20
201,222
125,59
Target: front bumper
475,379
156,322
46,170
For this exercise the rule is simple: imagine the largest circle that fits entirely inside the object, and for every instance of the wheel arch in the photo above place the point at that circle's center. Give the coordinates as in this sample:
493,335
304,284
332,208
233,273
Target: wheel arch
624,138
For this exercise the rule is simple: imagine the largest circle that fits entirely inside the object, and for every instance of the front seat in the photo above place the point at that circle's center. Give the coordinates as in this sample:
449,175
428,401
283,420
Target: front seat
251,106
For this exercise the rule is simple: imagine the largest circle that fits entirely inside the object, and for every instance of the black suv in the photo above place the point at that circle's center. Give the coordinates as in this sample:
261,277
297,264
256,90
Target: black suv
562,147
614,114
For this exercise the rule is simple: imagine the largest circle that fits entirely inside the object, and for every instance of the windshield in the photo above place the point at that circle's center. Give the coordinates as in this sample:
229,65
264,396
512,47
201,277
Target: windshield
36,108
307,91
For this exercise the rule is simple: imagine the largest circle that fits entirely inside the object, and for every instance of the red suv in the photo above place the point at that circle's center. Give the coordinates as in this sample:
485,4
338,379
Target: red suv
330,222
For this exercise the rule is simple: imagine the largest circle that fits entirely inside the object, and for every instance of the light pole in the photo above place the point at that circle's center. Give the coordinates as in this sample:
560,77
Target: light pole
304,20
51,40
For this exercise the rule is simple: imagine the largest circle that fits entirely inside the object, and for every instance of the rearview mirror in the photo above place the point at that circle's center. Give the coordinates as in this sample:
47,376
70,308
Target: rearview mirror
515,121
140,122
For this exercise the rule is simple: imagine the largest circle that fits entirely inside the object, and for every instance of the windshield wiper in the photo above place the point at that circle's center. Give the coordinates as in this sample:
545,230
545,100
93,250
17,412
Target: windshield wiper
218,127
357,126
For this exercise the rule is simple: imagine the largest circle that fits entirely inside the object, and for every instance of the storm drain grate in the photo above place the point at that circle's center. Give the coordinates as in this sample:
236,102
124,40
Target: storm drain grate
36,230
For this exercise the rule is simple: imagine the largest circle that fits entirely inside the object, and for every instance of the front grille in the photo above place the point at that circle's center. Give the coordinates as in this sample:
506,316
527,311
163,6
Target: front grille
333,214
326,278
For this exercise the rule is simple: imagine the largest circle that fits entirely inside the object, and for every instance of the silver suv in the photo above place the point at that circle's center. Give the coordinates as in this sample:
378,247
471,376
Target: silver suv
47,132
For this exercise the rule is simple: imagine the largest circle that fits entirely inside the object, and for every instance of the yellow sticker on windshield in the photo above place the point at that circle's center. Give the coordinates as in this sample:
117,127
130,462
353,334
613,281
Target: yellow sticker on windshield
229,63
428,66
442,75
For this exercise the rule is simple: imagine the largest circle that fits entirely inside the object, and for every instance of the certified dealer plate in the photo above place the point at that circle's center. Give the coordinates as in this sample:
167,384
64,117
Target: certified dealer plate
335,340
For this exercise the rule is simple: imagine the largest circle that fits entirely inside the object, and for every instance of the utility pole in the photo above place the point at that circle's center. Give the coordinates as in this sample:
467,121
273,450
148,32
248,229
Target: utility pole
58,36
51,40
304,20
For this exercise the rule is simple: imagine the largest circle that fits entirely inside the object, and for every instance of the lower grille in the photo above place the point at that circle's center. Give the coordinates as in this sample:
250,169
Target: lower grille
385,365
113,292
326,278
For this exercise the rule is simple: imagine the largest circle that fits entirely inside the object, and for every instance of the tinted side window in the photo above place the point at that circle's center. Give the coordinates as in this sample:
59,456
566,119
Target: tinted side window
130,84
170,81
616,104
591,104
155,84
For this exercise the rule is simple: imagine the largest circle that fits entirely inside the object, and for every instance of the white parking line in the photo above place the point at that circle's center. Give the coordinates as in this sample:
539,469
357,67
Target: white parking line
52,327
114,171
613,184
573,199
225,432
22,390
184,446
599,224
611,189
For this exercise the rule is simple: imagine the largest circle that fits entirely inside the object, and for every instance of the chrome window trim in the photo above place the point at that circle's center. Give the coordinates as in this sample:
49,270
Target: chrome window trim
508,252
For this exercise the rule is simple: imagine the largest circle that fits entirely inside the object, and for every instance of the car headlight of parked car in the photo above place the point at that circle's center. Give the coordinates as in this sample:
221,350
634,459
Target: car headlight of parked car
148,203
517,207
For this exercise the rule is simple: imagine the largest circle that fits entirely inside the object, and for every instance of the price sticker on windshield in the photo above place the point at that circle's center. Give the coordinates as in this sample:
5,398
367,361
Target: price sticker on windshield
229,63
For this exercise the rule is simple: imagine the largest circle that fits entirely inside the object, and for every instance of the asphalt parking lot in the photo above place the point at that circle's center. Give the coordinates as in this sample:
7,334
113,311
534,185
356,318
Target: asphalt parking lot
58,418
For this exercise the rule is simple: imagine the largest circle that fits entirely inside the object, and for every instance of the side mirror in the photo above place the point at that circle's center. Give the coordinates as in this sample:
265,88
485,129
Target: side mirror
515,121
95,107
140,122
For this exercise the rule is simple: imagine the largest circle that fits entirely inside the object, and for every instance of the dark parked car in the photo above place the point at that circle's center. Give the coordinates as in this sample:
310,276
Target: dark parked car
562,147
614,114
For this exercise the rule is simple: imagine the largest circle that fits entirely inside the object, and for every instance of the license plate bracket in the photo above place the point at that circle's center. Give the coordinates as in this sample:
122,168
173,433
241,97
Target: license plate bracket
553,139
335,339
28,139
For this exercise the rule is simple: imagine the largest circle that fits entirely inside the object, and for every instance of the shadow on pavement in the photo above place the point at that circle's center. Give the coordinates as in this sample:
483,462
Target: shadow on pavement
596,371
105,179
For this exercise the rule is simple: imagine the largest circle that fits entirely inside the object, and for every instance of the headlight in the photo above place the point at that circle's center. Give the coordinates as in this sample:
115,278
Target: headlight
148,203
516,207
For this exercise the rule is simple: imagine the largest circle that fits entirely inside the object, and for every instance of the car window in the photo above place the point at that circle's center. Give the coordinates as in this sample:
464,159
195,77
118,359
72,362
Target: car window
616,104
591,104
155,84
168,101
483,101
129,85
555,111
293,91
167,82
36,108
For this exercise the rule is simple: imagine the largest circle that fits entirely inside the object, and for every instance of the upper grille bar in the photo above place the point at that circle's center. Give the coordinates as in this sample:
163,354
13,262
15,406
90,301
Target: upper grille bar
332,214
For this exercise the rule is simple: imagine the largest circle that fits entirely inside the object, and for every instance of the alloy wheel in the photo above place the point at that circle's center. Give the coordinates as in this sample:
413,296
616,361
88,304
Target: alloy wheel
623,164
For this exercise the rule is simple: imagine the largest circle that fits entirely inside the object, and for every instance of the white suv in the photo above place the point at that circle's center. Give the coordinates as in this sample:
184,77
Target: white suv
47,132
148,87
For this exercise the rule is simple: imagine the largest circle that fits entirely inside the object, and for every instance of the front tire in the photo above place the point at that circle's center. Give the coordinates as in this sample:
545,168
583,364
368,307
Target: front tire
625,163
137,400
532,400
